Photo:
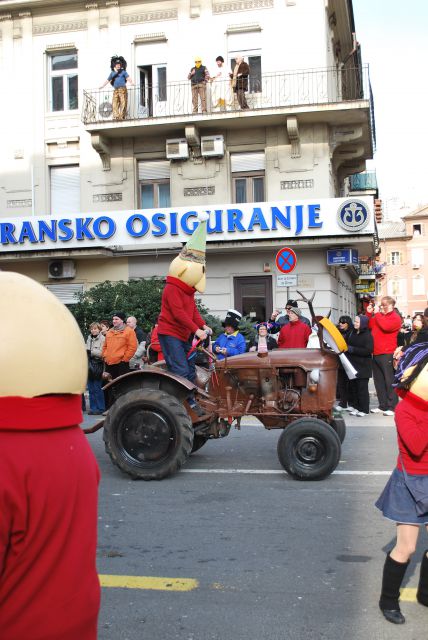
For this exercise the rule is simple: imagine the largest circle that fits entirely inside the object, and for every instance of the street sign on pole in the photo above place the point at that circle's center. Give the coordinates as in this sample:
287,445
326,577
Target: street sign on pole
286,260
284,280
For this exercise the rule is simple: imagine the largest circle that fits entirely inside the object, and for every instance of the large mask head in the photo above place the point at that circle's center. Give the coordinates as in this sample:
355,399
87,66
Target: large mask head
412,371
44,352
189,265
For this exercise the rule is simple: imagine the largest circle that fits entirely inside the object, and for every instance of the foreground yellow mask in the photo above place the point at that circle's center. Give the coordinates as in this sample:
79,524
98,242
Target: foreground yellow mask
46,352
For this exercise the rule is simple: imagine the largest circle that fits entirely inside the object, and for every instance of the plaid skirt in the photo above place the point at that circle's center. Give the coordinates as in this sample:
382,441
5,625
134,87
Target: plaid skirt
396,502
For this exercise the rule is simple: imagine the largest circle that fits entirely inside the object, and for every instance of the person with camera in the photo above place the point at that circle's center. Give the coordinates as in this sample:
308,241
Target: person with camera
384,323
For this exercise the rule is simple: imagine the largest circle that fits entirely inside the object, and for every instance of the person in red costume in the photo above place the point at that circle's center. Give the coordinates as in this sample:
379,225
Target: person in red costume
49,587
295,334
396,501
179,319
384,323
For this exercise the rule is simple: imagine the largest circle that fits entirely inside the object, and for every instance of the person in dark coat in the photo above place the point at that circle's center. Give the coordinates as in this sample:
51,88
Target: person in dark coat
262,338
239,79
360,349
345,327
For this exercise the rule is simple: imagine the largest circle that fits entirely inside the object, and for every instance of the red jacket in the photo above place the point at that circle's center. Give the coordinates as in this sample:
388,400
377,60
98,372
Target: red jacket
384,328
49,587
294,335
411,419
179,316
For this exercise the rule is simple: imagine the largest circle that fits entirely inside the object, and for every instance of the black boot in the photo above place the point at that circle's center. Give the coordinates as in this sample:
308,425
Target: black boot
393,574
422,592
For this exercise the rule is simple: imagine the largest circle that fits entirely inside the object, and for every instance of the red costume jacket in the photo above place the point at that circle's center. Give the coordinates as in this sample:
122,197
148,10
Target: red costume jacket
294,335
384,328
411,419
49,587
179,316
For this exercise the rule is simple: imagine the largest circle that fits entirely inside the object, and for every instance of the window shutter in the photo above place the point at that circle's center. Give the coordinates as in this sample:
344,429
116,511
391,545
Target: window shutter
153,170
65,189
247,162
66,293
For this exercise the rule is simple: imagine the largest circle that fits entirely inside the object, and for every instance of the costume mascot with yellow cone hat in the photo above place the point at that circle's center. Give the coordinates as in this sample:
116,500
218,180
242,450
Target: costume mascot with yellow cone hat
404,499
179,319
49,587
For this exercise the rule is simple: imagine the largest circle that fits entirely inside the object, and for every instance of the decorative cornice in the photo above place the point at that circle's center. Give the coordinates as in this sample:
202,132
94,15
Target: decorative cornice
150,37
243,28
5,16
91,5
63,45
242,5
149,16
112,3
58,27
24,14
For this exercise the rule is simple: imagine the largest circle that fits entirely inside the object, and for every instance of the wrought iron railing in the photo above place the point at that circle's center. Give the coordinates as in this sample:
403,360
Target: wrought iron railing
363,181
270,91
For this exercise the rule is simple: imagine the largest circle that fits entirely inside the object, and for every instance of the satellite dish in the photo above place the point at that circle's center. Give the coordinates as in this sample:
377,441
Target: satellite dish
105,109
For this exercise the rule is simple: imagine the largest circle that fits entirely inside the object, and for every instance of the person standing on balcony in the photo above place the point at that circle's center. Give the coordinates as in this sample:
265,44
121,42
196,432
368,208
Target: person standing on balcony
220,88
239,78
118,79
199,76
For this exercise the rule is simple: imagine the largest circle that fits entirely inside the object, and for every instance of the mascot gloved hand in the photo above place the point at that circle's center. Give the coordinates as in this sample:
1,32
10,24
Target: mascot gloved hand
48,474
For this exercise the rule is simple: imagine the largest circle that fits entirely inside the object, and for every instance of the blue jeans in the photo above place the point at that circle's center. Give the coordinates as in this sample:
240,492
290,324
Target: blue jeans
96,395
175,353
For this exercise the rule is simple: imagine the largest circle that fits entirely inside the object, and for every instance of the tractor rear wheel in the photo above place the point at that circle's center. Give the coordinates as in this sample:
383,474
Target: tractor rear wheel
148,434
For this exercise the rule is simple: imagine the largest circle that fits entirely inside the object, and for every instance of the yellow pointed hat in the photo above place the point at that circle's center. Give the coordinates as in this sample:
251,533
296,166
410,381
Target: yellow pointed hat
46,353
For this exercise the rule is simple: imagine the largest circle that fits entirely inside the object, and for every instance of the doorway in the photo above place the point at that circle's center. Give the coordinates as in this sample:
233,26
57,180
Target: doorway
152,96
253,296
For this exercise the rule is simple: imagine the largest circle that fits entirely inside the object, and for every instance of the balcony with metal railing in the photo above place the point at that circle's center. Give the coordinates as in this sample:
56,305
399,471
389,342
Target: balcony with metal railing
365,181
281,92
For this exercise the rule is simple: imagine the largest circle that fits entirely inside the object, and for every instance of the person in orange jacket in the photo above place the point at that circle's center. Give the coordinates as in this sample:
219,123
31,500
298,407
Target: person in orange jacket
119,346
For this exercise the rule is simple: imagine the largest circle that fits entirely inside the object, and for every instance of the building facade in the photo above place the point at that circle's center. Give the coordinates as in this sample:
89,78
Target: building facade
404,252
86,196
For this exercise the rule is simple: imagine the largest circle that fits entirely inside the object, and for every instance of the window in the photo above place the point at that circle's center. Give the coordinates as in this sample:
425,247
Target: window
248,177
154,180
417,257
395,258
65,189
397,288
63,92
417,229
254,60
418,286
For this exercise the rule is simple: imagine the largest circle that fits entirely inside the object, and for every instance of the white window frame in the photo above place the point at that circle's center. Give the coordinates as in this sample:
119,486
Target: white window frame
395,258
64,73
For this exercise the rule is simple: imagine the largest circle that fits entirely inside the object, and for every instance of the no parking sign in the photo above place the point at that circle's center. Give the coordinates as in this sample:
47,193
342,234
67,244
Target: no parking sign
286,260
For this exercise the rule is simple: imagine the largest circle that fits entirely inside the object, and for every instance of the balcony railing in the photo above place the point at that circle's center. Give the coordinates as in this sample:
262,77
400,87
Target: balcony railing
270,91
363,181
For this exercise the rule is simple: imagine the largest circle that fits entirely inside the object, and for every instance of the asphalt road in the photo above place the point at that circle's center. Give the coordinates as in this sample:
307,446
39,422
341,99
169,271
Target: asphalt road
268,557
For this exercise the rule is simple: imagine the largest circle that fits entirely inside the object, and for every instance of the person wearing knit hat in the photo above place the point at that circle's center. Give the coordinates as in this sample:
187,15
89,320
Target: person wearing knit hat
279,320
119,346
231,342
49,586
359,353
179,319
295,334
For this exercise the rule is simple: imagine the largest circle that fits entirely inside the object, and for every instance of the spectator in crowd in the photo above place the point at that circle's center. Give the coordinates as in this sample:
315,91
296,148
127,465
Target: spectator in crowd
385,324
398,501
345,327
118,79
154,350
199,76
119,346
423,332
231,342
262,341
359,354
220,87
295,334
94,348
105,326
136,362
239,78
278,320
49,587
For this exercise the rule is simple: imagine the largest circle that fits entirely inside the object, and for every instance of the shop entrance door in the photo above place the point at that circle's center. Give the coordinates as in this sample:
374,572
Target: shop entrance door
253,296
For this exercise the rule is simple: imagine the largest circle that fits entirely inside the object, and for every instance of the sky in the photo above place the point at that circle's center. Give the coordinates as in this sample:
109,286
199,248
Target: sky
394,42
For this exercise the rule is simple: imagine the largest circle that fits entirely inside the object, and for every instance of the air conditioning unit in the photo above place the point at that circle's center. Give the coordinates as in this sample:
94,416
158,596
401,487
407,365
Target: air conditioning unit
177,149
212,146
58,269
